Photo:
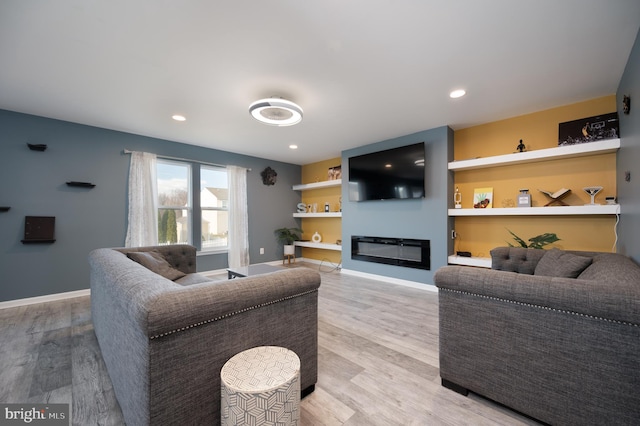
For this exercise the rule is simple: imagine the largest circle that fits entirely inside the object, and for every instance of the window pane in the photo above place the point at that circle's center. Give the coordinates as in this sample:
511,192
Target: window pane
173,184
215,229
174,202
214,200
215,192
173,226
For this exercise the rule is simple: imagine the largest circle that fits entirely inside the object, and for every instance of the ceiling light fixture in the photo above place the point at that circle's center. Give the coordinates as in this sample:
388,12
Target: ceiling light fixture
276,112
179,117
293,146
457,93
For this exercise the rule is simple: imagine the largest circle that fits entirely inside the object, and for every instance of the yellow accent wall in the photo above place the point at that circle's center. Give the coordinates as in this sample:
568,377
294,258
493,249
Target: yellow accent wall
329,228
537,131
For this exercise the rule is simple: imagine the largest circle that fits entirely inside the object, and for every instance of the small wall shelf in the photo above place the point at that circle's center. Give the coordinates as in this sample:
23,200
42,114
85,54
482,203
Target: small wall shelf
37,146
4,209
603,209
81,184
569,151
38,241
319,214
316,185
324,246
480,262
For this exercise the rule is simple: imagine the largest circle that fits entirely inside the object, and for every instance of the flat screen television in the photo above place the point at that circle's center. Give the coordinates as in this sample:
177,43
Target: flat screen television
396,173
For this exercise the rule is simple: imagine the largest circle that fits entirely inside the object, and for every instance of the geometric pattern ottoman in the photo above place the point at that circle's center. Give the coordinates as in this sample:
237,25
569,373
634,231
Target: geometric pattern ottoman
261,386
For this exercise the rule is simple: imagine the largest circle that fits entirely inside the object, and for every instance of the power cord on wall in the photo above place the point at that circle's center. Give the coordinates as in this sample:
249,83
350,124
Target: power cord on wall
614,249
334,267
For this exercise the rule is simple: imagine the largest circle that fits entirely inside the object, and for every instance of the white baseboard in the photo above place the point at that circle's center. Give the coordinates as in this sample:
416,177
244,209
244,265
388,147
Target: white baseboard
44,299
391,280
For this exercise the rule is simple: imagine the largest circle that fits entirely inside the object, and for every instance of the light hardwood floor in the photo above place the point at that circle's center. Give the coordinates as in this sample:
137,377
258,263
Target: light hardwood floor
378,361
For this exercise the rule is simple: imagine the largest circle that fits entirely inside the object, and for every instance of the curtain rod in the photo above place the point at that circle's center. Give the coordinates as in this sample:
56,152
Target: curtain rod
166,157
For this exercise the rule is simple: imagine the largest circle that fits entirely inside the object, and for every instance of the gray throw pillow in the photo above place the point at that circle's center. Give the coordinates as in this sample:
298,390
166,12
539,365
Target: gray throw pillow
558,263
154,261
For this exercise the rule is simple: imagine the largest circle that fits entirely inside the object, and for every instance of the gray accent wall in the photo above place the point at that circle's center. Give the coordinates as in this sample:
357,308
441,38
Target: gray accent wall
420,219
34,184
628,158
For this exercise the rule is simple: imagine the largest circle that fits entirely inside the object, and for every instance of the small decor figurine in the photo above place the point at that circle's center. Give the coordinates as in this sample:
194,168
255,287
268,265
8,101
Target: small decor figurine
302,208
521,147
457,198
269,176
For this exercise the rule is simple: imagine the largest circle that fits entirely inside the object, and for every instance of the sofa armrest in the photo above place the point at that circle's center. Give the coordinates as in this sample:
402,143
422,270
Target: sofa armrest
613,301
187,307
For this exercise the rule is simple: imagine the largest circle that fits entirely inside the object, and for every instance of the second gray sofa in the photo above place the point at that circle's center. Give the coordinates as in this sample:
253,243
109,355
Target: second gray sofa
550,333
164,343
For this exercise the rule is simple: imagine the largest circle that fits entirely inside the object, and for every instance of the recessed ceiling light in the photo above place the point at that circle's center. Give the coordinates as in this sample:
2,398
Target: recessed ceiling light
388,166
457,93
293,146
178,117
276,112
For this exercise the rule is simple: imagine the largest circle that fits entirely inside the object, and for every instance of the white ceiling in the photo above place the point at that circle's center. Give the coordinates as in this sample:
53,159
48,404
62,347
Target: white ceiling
362,70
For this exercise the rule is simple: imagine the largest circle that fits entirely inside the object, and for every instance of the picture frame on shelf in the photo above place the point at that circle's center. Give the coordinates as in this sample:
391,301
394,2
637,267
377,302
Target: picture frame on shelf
483,198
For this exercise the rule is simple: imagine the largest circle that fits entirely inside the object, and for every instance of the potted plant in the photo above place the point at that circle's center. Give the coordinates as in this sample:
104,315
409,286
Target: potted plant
536,242
287,236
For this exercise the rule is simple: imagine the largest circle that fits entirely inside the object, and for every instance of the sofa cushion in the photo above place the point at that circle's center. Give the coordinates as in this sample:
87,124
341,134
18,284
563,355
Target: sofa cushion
194,278
559,263
154,261
515,259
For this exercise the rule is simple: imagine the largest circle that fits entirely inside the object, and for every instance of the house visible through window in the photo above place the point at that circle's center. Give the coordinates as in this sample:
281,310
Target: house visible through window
176,200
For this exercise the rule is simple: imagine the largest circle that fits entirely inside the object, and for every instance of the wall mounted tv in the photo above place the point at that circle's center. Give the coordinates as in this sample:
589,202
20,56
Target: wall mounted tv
396,173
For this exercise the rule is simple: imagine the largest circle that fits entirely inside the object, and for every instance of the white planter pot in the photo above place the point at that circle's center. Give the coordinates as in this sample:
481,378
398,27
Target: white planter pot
289,249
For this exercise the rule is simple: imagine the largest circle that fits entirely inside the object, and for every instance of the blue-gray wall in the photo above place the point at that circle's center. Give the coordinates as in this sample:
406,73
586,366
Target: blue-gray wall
422,219
629,157
33,184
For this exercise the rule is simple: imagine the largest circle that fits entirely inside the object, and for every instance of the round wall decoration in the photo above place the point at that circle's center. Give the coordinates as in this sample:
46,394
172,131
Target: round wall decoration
269,176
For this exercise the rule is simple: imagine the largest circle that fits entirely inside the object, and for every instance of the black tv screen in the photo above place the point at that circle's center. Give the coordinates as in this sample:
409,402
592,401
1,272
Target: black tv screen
396,173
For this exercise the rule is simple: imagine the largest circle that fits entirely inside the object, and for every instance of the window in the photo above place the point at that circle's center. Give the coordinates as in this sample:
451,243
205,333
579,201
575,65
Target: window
174,202
214,207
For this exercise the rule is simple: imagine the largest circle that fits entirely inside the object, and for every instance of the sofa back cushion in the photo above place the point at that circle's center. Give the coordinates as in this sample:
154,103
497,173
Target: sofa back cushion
559,263
515,259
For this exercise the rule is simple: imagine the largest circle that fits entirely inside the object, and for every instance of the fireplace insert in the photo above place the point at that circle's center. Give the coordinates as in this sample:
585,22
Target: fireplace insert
410,253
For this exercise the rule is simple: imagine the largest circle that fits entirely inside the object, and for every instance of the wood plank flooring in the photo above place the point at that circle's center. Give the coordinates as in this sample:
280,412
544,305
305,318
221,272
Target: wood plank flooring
378,361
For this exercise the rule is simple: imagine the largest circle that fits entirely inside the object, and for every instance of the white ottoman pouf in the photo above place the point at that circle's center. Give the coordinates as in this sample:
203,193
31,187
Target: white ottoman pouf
261,386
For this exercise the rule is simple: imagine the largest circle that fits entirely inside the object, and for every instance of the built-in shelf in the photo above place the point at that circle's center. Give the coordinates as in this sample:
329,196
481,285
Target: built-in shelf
603,209
480,262
4,209
319,214
316,185
561,152
324,246
81,184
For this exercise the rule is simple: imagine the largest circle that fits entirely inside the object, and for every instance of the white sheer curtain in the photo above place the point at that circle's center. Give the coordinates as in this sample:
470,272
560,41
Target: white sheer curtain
238,217
142,229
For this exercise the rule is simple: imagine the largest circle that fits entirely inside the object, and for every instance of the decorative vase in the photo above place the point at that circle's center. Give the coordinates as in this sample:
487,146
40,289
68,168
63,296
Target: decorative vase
316,238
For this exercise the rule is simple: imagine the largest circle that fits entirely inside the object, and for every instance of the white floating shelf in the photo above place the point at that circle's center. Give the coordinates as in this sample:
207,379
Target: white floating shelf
319,214
602,209
324,246
316,185
569,151
481,262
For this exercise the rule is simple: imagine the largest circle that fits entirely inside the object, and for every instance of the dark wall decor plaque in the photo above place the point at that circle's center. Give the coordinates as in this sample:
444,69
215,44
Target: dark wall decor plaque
39,229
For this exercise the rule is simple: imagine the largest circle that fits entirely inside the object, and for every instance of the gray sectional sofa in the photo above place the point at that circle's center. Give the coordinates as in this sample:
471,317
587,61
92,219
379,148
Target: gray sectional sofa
553,334
165,340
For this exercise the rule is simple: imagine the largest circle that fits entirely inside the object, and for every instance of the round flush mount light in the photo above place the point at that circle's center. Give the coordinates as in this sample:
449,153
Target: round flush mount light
457,93
276,112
